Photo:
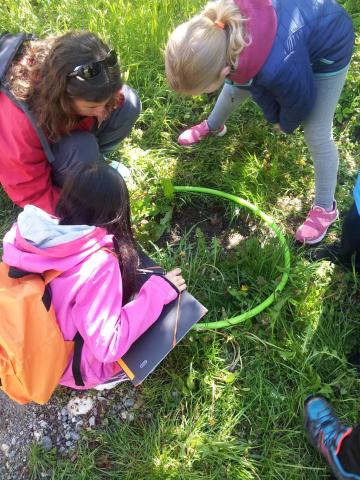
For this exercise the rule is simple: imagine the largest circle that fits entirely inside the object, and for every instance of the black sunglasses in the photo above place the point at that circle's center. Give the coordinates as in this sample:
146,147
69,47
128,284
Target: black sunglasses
90,70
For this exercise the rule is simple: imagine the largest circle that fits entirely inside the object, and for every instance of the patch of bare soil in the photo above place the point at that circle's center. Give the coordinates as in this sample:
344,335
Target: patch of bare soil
214,221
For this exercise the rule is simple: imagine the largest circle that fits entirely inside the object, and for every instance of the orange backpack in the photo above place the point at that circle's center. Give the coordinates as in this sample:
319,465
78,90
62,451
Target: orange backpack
33,352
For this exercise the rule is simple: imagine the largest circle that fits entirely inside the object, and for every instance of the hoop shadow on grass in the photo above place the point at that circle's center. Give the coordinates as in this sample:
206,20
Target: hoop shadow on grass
285,268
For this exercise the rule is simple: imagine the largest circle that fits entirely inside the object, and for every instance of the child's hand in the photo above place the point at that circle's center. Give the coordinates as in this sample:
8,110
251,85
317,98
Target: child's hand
176,279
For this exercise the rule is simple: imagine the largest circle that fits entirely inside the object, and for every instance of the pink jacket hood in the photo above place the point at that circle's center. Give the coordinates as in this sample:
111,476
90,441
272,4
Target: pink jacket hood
38,243
88,295
261,28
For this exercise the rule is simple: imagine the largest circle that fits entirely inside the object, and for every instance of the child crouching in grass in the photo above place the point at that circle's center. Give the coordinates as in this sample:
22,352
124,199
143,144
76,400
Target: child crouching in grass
91,241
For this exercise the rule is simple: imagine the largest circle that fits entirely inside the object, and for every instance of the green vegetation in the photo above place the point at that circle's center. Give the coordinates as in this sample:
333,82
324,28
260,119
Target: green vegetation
237,408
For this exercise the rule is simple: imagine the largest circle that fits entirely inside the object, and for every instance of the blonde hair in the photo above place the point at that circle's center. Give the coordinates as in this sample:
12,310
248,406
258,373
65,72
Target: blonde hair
199,49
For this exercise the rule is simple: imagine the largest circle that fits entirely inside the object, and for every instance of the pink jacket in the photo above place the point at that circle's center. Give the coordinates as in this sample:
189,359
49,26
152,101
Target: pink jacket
87,297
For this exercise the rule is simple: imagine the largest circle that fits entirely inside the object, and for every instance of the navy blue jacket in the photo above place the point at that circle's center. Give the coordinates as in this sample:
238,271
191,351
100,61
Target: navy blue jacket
314,37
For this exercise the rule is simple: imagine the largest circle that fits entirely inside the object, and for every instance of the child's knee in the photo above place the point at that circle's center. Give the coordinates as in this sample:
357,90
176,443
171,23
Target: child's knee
317,136
71,150
132,104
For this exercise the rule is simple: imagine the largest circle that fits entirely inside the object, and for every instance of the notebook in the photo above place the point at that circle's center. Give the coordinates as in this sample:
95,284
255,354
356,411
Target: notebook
156,343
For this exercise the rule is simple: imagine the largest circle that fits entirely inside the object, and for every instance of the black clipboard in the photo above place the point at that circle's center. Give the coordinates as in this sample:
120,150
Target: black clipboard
175,321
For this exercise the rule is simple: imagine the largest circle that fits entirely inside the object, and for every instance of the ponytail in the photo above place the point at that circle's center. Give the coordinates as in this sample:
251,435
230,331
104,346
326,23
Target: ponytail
227,13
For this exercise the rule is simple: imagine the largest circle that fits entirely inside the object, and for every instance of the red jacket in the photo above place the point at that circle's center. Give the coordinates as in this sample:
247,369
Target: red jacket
24,169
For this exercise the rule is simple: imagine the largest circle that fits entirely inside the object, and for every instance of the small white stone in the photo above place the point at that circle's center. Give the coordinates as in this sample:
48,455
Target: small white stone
80,405
5,449
91,421
38,435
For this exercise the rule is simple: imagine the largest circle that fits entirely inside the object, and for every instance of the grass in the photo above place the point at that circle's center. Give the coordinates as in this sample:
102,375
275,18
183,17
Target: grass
225,404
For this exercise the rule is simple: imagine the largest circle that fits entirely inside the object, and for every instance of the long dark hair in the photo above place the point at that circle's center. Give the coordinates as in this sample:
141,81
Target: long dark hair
96,194
40,78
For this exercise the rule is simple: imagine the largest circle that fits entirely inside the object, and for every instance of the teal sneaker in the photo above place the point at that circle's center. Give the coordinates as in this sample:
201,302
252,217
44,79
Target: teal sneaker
326,433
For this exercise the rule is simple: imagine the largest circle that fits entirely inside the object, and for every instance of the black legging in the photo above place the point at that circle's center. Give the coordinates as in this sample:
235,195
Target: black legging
350,235
350,241
349,454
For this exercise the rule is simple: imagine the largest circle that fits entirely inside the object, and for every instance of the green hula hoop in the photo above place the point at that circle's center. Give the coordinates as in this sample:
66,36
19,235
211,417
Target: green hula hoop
272,225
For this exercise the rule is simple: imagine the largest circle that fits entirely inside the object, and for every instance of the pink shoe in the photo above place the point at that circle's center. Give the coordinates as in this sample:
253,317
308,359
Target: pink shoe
316,224
196,133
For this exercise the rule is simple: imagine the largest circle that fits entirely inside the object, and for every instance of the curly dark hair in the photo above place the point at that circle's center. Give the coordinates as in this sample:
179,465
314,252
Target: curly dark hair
39,76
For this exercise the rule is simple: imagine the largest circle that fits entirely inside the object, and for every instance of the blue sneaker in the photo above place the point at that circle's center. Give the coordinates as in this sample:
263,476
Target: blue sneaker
326,434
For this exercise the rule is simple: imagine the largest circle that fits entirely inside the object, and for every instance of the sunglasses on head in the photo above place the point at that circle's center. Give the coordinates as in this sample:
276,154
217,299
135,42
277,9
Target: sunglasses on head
90,70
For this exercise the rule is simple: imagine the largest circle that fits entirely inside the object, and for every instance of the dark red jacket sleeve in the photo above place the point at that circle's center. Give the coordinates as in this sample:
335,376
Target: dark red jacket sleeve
24,169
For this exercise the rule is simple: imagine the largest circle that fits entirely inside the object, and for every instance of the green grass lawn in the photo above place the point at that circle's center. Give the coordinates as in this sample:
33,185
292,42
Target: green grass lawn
238,408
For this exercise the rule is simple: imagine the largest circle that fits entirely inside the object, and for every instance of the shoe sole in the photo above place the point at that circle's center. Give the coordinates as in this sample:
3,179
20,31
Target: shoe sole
318,239
219,134
222,133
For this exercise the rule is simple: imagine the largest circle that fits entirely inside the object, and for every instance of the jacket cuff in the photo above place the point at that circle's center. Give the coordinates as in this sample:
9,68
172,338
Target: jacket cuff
167,288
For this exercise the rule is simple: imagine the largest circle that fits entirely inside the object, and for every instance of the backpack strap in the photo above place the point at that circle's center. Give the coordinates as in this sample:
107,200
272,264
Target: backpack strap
17,273
9,47
76,371
48,276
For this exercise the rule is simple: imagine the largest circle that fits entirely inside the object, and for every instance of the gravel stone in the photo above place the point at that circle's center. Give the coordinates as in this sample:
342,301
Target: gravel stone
5,449
129,402
91,421
46,442
58,424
